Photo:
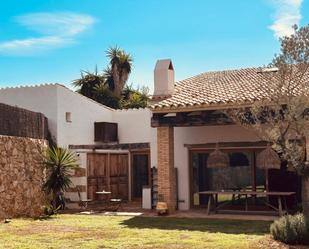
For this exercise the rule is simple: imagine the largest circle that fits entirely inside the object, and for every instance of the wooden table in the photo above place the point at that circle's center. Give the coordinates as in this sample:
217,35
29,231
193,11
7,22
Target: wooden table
281,196
104,202
103,192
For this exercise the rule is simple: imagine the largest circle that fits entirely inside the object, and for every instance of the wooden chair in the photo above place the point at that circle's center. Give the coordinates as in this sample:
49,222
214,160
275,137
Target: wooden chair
83,203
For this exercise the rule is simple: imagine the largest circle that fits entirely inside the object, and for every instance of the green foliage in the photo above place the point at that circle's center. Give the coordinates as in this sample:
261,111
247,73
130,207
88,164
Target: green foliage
88,82
59,164
105,96
109,88
49,210
120,58
134,98
290,229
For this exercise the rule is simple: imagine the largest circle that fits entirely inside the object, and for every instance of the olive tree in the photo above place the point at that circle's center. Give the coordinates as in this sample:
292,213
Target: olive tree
281,116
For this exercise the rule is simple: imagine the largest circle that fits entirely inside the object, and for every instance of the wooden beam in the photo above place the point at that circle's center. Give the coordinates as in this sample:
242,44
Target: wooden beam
228,145
127,146
201,118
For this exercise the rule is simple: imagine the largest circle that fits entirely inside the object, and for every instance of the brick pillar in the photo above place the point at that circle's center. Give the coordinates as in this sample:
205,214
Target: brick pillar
166,170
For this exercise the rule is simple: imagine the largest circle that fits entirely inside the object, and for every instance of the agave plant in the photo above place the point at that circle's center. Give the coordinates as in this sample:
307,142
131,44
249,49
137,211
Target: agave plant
88,82
59,163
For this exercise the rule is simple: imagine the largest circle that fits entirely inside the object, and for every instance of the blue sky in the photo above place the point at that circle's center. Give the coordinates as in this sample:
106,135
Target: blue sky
51,41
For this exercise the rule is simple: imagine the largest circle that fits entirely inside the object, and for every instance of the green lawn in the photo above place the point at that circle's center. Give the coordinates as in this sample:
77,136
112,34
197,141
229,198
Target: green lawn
91,231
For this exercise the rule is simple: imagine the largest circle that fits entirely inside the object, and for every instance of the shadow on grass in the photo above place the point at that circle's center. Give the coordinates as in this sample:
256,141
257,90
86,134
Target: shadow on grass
203,225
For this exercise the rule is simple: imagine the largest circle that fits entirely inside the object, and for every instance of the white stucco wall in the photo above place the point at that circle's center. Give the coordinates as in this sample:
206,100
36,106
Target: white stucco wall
84,112
134,127
41,98
200,135
54,100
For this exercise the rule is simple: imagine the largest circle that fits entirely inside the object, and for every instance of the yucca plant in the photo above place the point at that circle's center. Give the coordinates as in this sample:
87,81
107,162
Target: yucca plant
120,69
59,163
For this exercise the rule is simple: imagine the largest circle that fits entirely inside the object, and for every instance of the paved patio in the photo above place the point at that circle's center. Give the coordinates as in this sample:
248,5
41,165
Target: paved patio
135,209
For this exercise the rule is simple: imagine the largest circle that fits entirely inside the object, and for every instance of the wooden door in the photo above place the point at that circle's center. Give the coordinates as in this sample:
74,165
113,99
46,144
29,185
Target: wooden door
140,173
107,172
119,175
97,175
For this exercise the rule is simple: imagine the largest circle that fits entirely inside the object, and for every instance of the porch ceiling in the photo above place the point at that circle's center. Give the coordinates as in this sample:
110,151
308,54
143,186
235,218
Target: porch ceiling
196,118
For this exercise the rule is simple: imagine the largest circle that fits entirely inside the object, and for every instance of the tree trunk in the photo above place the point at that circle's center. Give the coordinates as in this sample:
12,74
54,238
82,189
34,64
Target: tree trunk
305,197
116,79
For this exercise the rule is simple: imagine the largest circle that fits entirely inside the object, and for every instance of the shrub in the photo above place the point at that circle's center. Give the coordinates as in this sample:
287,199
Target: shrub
59,163
290,229
49,210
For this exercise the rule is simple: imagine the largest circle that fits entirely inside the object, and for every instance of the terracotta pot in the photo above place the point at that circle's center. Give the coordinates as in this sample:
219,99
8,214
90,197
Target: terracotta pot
162,208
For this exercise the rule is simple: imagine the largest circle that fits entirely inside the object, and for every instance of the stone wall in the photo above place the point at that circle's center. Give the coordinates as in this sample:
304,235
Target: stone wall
21,176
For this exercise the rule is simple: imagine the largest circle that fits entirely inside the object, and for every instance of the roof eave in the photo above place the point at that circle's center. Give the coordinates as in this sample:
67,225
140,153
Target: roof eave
200,107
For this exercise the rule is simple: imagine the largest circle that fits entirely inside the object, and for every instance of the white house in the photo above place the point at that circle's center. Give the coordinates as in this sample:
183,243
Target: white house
71,119
178,131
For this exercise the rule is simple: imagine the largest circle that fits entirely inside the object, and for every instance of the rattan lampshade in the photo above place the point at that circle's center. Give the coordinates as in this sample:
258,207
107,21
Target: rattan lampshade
218,159
268,159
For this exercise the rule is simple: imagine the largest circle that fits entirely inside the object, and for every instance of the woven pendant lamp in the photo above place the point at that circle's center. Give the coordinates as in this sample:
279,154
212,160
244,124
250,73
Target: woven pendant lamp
268,159
218,159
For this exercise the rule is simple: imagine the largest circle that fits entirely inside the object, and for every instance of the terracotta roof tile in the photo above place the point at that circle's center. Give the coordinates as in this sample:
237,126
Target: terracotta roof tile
215,88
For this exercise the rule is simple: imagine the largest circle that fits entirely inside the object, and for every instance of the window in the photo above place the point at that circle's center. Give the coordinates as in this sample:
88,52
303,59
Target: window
68,117
237,176
238,159
105,132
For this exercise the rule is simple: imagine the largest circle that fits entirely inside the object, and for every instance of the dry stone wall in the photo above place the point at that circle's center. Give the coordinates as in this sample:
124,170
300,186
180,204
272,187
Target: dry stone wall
21,176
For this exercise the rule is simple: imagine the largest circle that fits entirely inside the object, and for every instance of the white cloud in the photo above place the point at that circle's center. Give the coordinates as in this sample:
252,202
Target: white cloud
287,14
55,30
63,24
33,45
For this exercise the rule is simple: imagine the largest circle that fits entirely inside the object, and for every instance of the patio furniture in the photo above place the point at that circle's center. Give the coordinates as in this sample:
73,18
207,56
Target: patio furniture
103,192
110,204
115,204
83,203
105,195
281,197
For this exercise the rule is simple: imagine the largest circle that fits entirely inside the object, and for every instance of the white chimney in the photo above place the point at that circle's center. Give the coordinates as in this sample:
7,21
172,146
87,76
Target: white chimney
164,78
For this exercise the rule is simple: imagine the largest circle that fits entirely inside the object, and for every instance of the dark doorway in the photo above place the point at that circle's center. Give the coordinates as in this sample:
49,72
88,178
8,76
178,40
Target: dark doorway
140,173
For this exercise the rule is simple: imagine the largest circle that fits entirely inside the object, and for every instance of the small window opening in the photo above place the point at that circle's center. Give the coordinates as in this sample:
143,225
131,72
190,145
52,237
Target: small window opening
68,117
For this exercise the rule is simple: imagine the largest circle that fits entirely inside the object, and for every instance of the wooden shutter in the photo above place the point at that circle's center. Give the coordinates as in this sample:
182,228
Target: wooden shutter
105,132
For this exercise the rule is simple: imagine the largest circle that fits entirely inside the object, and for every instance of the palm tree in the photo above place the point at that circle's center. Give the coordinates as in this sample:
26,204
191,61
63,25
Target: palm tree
108,76
105,96
59,164
121,66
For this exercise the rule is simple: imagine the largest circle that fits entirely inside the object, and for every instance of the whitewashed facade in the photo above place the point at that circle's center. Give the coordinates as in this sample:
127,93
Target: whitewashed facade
71,118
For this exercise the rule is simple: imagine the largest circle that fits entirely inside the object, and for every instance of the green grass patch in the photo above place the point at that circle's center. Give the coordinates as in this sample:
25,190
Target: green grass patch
95,231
